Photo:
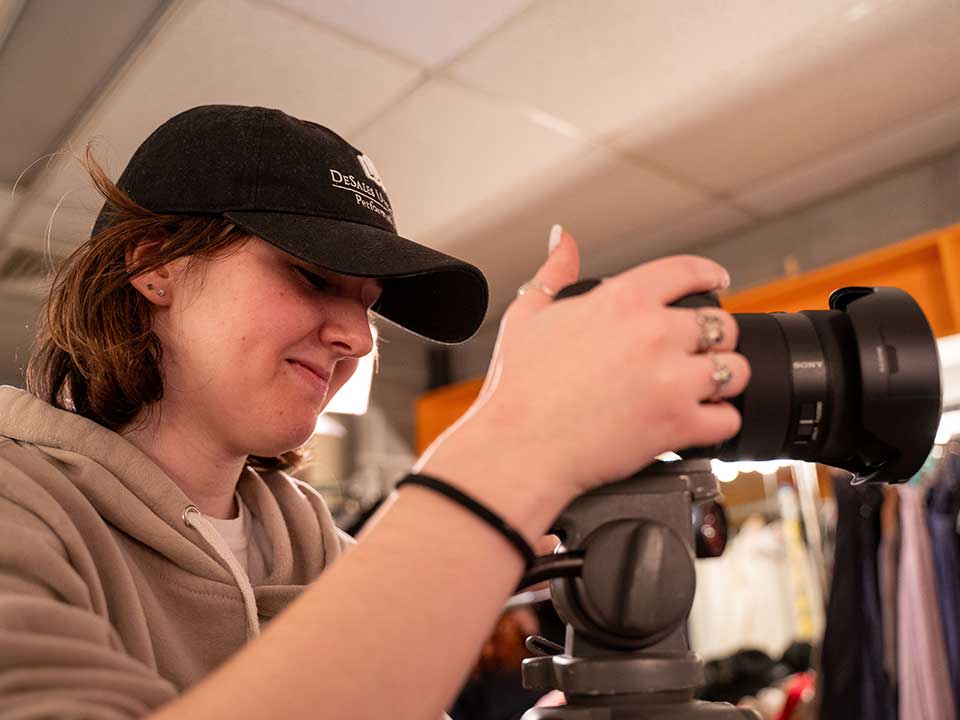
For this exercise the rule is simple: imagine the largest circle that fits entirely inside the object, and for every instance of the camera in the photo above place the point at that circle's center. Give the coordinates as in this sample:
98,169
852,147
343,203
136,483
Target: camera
856,387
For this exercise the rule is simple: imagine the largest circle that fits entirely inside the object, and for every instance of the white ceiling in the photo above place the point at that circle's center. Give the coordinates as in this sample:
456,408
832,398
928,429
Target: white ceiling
646,126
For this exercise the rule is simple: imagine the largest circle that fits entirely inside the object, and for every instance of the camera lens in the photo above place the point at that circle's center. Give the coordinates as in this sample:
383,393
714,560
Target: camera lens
802,389
856,387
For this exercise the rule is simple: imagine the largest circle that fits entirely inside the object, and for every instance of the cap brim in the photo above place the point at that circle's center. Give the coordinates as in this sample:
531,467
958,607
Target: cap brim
425,291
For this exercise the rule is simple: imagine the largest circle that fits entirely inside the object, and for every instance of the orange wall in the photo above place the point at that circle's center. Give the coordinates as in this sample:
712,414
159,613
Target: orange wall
926,267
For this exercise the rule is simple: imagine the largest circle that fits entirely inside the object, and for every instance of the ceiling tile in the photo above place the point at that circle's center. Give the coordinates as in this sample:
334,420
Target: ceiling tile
445,150
848,165
681,233
855,80
240,52
608,66
430,32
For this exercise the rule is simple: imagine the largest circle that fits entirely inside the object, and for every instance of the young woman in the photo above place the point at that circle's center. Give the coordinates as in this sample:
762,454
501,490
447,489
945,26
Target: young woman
155,559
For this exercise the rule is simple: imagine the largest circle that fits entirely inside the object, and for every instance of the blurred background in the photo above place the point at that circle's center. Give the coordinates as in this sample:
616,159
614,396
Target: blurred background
791,141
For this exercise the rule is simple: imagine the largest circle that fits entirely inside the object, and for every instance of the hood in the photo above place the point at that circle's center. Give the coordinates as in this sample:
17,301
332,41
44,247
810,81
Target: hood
131,493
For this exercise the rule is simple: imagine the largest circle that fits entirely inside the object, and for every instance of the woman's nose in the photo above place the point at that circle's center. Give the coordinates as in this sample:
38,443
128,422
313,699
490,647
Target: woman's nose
347,328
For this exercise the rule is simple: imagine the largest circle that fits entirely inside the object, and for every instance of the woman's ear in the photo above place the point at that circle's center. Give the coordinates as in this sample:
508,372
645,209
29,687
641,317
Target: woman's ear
155,285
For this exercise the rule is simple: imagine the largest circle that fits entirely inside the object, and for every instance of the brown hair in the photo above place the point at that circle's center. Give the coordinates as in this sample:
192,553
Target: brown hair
96,353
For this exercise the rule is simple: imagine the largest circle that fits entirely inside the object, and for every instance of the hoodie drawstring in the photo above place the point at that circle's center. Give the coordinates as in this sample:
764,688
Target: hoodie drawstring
195,519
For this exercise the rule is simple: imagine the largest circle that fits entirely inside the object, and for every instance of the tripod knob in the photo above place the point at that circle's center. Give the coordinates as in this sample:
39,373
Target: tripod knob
638,579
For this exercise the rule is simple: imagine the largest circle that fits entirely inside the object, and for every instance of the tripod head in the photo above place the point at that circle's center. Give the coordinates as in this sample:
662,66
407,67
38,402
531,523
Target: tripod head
626,654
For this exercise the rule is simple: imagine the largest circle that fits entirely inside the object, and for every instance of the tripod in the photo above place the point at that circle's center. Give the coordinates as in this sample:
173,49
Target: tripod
626,655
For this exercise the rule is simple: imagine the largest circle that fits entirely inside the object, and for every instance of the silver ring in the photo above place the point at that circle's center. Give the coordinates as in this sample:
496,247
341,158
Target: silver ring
721,376
535,284
711,330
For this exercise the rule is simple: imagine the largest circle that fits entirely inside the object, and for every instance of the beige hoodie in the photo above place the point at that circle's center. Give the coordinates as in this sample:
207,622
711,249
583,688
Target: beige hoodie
115,595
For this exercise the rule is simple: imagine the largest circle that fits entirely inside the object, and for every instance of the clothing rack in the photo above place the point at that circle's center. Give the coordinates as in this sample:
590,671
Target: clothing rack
892,643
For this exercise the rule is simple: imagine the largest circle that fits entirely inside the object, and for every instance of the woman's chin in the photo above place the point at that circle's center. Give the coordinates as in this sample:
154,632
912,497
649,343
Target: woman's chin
290,438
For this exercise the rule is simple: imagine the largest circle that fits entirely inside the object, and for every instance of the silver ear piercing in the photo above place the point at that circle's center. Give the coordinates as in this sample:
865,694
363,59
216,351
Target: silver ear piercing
159,291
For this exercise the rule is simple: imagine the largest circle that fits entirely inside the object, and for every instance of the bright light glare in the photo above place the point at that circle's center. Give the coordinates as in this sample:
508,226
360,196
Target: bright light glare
728,471
725,472
949,426
326,425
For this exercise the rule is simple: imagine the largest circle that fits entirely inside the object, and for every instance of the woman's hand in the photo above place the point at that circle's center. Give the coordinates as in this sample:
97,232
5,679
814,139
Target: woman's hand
592,388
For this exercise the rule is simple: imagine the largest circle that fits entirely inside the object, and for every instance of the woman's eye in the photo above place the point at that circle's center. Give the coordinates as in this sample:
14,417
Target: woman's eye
318,282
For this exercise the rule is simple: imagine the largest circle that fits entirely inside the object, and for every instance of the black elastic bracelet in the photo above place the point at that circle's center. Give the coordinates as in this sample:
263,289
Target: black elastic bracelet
484,513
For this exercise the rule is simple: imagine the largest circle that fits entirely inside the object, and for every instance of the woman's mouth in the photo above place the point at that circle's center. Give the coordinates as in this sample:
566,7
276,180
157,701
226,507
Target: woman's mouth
312,375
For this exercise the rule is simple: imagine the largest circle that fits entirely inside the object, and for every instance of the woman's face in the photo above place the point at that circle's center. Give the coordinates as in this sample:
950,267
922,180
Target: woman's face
255,344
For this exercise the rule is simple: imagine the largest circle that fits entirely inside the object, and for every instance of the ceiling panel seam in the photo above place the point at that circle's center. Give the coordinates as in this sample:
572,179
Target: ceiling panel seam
681,179
363,42
426,73
487,35
422,79
423,72
10,15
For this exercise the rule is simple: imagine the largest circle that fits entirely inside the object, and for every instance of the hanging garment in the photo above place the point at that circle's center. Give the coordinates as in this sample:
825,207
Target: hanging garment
943,504
852,681
806,595
743,598
888,563
924,680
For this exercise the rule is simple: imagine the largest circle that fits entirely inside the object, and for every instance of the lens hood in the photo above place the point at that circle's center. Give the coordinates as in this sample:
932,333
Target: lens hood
901,392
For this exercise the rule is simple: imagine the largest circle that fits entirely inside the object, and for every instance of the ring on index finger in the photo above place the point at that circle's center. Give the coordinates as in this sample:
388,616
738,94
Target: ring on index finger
535,284
711,330
721,376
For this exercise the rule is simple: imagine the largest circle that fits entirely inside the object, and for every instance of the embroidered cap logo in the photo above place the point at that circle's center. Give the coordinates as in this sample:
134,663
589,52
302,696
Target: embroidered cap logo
369,169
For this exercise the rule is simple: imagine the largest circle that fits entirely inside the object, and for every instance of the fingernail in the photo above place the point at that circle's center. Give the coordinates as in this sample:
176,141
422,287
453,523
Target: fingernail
555,232
724,281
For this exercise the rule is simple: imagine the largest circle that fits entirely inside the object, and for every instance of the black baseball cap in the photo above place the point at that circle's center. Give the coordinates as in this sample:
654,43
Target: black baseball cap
306,190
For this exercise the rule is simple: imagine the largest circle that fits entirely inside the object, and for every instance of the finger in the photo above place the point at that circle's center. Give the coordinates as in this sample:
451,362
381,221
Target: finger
697,328
706,368
714,423
561,268
668,279
546,544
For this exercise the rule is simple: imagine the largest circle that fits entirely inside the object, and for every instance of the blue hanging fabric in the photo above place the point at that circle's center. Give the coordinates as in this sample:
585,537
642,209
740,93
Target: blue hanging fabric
943,506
